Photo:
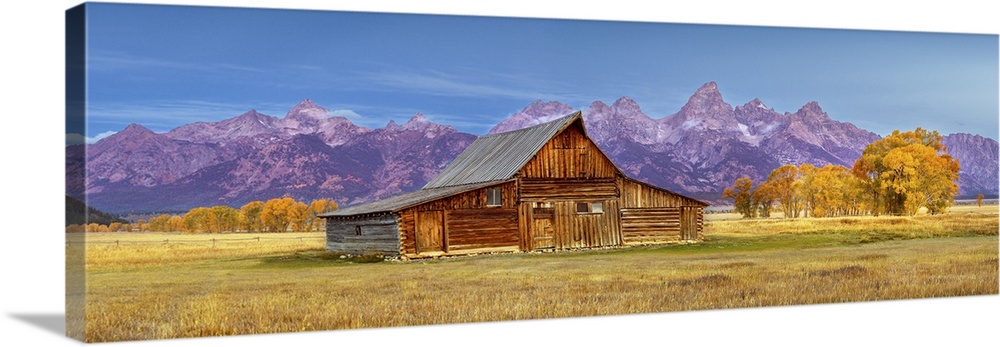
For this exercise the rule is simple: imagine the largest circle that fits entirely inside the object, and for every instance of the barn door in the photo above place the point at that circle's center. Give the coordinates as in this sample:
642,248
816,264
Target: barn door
430,231
542,234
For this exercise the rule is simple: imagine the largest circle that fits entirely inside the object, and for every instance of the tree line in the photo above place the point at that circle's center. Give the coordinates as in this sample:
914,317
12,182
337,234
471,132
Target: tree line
272,216
895,175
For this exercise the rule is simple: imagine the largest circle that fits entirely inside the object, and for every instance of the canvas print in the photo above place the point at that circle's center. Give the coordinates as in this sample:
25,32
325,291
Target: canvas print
234,171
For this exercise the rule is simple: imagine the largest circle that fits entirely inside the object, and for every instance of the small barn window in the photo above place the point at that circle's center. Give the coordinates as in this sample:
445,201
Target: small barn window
357,230
494,197
589,207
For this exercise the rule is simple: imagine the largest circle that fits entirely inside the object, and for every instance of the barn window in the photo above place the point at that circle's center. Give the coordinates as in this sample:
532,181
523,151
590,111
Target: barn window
493,197
589,207
357,230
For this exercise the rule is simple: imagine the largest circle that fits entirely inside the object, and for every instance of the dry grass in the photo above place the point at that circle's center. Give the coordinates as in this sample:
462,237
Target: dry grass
297,287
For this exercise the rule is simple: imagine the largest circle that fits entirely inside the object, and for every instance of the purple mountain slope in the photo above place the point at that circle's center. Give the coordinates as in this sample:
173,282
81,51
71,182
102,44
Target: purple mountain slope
310,154
305,155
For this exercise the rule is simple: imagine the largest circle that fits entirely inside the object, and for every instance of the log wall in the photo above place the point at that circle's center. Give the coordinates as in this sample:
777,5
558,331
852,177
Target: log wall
653,215
651,225
379,234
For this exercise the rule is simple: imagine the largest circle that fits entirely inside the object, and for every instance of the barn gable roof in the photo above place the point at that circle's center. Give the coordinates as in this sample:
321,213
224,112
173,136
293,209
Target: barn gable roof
500,156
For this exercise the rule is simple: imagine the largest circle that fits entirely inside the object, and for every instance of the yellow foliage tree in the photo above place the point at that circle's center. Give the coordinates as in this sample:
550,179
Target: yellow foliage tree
198,219
223,219
784,181
906,171
159,223
275,214
298,216
250,216
175,223
742,194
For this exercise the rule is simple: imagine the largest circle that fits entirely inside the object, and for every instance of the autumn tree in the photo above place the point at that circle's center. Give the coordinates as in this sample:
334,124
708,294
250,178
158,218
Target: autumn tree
197,219
829,191
742,194
763,199
906,171
298,216
159,223
222,219
276,214
785,184
250,216
175,223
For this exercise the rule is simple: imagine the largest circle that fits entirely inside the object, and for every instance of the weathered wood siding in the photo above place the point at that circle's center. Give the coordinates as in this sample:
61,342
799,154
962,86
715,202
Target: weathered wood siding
467,224
653,215
651,225
635,194
569,154
568,189
562,227
584,230
379,235
477,229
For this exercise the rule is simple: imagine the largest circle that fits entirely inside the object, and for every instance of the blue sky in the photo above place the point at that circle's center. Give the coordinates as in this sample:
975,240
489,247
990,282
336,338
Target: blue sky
164,66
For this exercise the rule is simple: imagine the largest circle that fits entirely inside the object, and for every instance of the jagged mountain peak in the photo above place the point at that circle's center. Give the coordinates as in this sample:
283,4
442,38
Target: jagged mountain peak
135,129
704,110
391,126
707,94
756,103
813,110
307,109
250,114
417,118
708,88
537,112
626,102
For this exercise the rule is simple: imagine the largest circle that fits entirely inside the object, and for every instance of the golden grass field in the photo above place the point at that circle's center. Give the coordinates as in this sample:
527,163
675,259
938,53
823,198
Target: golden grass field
144,288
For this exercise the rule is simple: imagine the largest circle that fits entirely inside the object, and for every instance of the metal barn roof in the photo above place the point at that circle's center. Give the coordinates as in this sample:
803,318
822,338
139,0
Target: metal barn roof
499,156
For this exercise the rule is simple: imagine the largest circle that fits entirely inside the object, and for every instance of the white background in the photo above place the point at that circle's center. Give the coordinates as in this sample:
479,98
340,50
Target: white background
31,121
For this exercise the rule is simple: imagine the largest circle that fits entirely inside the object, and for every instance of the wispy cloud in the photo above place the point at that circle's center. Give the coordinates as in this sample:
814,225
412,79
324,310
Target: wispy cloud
107,61
471,83
100,136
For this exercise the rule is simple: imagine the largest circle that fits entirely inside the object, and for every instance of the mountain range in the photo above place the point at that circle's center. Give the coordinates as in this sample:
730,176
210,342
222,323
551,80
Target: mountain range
309,154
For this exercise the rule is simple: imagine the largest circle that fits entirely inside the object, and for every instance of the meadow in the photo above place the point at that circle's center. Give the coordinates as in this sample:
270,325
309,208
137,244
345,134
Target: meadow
143,287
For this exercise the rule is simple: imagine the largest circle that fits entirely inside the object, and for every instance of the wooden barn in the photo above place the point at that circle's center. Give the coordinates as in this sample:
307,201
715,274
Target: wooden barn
547,187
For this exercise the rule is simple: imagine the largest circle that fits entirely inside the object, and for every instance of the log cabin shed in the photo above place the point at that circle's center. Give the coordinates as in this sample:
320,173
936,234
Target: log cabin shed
546,187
